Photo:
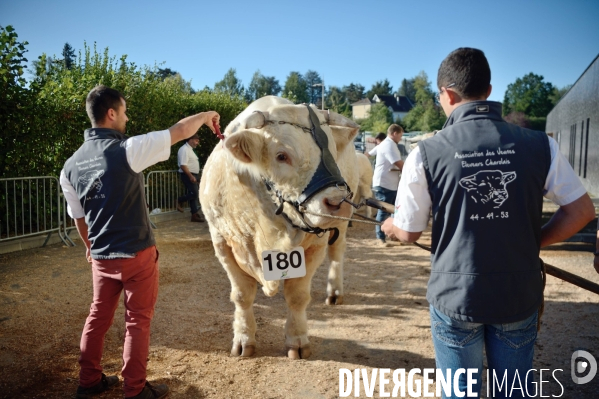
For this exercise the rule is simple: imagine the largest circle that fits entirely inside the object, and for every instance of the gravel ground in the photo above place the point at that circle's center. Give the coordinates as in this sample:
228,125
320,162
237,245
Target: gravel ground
384,322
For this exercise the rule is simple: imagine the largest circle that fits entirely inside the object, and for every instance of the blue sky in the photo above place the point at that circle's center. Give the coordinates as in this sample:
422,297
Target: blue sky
344,41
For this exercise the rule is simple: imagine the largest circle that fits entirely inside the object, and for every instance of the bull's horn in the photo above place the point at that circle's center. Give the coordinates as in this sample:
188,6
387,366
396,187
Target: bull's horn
256,120
335,119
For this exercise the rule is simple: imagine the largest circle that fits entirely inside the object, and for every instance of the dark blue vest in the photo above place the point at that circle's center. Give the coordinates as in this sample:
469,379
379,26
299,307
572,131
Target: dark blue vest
486,180
112,195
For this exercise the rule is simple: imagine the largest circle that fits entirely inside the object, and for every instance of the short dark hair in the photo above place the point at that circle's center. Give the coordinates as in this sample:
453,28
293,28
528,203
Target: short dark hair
394,128
468,70
99,100
380,137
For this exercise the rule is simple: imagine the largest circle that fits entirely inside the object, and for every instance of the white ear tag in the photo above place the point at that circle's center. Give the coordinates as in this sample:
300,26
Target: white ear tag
278,265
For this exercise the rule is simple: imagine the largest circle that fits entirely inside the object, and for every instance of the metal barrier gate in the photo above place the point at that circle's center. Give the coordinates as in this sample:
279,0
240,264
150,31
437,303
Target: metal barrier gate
162,189
31,206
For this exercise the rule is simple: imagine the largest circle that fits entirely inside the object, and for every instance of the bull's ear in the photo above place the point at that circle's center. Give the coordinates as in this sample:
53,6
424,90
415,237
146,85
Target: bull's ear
246,146
509,177
469,183
344,129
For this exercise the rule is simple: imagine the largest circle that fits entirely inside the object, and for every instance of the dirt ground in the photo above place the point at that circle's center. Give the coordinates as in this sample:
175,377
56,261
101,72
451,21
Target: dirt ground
384,322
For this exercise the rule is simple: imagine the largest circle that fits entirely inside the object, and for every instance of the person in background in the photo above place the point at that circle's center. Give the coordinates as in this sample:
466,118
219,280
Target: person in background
189,169
103,185
387,167
484,180
378,139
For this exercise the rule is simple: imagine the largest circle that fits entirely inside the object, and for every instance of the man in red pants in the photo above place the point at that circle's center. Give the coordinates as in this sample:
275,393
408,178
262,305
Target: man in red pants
104,187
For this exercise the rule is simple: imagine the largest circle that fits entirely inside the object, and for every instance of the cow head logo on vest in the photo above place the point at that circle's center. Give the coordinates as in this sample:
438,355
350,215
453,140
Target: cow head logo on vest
91,180
488,186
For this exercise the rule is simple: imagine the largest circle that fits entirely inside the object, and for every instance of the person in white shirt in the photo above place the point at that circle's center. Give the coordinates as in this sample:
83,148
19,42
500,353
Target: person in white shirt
387,168
103,185
189,169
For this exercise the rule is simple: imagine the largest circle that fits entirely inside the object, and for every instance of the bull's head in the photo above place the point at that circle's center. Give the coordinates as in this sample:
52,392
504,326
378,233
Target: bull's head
278,145
488,185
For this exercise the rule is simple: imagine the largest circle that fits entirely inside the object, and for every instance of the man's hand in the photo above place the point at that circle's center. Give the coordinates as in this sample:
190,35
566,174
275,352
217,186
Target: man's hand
88,255
186,127
387,228
212,119
393,231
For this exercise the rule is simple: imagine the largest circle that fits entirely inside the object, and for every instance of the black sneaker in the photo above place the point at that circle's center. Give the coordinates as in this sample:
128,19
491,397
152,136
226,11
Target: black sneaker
104,384
152,392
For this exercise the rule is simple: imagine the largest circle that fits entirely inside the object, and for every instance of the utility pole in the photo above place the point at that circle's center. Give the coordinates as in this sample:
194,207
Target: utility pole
322,95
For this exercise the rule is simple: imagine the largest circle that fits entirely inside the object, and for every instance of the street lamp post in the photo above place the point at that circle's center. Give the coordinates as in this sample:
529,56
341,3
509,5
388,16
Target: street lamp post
322,95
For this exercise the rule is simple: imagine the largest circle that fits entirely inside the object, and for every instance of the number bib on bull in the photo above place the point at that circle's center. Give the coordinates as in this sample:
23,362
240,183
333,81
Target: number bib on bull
278,265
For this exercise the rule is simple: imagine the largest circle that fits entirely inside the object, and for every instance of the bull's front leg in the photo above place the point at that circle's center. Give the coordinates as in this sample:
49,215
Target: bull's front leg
243,293
297,296
335,277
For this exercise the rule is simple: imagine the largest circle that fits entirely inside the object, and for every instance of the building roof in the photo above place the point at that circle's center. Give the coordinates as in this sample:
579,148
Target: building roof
363,101
397,103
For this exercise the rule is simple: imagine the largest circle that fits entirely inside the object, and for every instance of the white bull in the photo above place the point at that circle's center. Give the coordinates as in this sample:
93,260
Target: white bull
364,189
275,146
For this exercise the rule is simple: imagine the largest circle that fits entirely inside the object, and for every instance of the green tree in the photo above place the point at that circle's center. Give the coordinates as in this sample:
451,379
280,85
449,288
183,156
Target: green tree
14,97
558,94
378,120
336,101
381,88
407,89
296,88
261,86
68,56
426,115
353,92
315,93
230,84
164,73
530,95
51,107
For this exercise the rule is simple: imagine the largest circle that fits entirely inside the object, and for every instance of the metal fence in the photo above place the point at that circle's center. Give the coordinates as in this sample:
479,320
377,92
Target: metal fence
162,189
31,206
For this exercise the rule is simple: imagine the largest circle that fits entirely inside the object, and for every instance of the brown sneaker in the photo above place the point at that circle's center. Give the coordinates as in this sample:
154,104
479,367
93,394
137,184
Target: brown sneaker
152,392
178,205
197,217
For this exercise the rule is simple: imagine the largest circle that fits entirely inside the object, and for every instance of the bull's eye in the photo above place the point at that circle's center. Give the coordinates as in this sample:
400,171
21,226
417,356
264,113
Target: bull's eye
282,157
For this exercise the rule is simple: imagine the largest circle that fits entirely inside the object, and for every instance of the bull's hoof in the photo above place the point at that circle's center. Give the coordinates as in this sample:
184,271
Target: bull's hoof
334,300
243,351
299,353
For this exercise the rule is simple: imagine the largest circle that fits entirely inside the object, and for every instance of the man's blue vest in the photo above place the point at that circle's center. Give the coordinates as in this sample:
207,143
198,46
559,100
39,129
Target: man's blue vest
112,195
486,179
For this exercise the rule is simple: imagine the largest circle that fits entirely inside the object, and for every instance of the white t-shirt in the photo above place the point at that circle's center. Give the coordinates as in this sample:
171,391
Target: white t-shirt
387,154
187,157
413,203
142,152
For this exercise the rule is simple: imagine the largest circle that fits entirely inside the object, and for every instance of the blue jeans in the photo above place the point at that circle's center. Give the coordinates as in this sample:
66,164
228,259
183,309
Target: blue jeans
509,347
385,195
193,192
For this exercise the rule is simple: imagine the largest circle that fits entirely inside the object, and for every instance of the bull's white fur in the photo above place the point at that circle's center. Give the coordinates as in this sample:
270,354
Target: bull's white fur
364,189
241,213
